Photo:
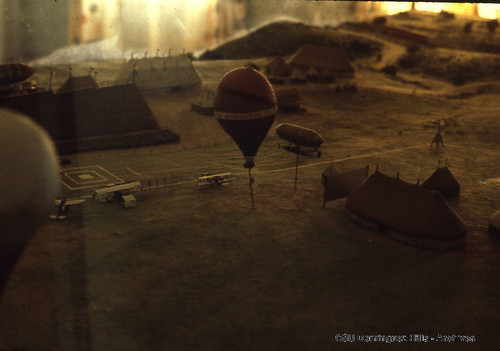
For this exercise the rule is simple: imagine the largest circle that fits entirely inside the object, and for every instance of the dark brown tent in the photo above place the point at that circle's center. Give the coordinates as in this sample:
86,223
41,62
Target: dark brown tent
443,181
329,171
77,83
494,223
334,62
407,212
88,119
342,184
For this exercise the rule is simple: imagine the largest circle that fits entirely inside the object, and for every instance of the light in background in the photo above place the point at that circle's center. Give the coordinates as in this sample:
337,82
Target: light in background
148,25
192,25
490,11
393,7
93,20
33,29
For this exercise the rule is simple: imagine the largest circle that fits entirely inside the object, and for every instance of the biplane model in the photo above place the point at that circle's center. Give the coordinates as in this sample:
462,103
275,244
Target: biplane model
123,191
63,206
208,180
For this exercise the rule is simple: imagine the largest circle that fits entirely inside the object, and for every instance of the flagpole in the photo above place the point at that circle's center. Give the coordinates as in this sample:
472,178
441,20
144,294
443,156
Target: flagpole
296,170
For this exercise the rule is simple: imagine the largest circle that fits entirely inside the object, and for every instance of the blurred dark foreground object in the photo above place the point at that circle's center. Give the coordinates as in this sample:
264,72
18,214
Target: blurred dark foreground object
29,182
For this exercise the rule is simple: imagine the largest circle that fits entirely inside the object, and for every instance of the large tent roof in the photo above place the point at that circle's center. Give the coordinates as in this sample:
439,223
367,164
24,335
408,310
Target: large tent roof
406,208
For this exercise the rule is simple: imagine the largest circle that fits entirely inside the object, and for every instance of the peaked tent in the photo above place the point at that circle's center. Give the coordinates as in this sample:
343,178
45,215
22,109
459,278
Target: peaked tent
343,184
77,83
329,171
443,181
407,212
88,119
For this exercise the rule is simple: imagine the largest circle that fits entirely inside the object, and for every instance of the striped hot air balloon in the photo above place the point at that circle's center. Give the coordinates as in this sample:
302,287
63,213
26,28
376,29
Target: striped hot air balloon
14,73
245,107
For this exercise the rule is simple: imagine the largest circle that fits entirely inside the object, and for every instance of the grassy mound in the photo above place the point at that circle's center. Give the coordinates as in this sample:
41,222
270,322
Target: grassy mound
457,69
284,38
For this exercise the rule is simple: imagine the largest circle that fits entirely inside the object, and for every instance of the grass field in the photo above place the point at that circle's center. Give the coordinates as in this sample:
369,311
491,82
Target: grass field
190,269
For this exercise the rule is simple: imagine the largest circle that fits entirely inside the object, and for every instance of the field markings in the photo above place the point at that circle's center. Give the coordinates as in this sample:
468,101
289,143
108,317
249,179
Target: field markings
320,163
108,172
99,171
259,172
132,171
340,159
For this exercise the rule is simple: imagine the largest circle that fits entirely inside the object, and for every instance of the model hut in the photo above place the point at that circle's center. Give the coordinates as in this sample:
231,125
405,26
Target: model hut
289,100
443,181
321,63
277,71
407,212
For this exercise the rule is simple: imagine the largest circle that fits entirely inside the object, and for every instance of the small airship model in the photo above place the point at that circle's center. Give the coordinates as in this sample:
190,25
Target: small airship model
304,141
245,107
12,73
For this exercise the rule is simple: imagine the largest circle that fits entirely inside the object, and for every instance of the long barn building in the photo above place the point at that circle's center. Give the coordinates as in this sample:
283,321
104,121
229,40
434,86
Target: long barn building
86,118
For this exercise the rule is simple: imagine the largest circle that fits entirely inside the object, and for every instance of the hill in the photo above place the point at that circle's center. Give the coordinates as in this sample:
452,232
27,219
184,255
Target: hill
284,38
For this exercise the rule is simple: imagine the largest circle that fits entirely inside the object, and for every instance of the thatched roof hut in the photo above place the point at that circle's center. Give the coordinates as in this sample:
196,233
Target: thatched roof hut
331,61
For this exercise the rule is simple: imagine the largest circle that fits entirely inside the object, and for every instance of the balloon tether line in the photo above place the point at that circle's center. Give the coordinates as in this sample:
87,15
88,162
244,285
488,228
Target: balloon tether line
296,170
250,183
